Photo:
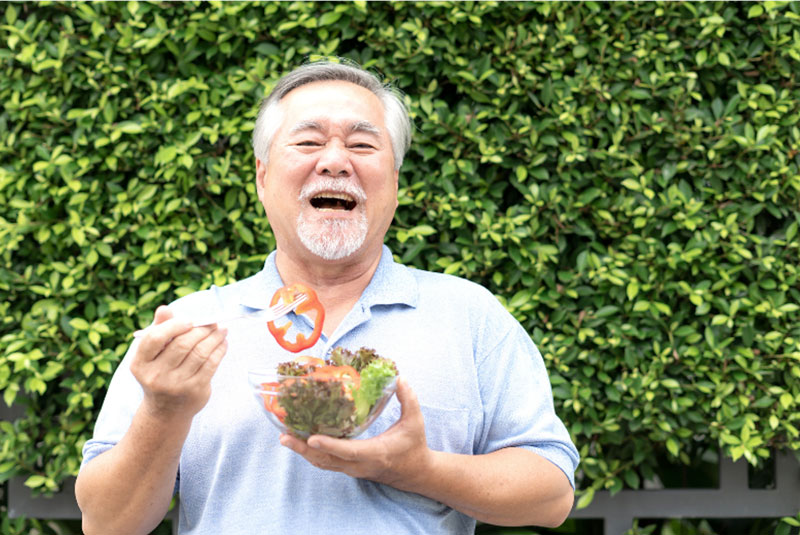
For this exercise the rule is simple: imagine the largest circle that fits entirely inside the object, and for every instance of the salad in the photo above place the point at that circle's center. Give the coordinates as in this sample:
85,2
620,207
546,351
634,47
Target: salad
339,396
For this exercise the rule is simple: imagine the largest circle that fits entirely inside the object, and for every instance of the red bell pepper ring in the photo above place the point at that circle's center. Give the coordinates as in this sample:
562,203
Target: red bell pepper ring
289,294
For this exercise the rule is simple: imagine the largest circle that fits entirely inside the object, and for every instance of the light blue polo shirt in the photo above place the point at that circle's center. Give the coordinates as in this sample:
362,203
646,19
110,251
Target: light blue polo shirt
480,380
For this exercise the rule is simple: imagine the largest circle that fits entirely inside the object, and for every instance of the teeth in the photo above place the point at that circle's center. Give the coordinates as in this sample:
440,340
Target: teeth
333,201
340,196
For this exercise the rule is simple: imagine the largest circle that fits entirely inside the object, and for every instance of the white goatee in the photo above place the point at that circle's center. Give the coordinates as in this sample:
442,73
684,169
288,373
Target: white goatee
332,238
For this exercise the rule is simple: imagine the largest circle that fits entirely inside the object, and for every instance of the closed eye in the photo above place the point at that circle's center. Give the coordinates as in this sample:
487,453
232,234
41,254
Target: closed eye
308,143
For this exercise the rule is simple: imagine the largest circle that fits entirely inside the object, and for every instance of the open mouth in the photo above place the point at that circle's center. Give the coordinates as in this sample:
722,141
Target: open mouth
333,201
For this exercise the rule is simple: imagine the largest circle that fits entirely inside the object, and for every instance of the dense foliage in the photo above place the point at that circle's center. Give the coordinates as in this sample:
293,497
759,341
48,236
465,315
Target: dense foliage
623,176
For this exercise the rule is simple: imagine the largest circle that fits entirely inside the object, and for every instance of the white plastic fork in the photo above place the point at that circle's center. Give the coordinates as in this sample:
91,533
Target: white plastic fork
268,314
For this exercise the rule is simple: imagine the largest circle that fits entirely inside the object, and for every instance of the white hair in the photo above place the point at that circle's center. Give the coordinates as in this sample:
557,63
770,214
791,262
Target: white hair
270,115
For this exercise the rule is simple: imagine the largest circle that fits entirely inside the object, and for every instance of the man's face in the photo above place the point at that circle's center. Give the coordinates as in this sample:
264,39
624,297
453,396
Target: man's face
329,186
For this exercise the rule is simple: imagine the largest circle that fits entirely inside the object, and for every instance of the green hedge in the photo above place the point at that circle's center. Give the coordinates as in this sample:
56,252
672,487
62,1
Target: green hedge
623,176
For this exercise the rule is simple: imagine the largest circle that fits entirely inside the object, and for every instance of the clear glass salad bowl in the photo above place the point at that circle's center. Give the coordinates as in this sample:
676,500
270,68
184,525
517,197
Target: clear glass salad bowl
304,406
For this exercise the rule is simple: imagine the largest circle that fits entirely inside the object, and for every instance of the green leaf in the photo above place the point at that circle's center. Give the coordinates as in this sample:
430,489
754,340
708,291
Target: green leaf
791,231
580,51
701,56
35,481
608,310
245,233
87,368
765,89
79,324
10,394
140,271
329,18
671,384
633,289
11,14
129,127
672,447
632,184
423,230
26,54
586,498
631,478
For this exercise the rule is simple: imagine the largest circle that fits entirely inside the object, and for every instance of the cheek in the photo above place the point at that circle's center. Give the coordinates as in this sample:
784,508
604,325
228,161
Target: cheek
281,182
384,205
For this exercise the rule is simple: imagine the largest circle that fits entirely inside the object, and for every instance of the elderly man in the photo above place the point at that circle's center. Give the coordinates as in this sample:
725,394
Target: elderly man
472,433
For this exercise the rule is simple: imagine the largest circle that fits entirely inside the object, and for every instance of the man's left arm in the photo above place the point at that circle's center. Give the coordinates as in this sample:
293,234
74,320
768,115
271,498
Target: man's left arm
510,486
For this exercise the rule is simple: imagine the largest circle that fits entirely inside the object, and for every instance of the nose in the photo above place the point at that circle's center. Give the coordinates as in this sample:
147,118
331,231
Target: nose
334,161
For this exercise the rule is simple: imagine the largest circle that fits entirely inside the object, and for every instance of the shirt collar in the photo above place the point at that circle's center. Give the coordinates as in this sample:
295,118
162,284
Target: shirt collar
390,284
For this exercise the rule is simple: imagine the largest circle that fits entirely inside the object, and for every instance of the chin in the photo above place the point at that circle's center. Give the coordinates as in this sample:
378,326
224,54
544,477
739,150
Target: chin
332,239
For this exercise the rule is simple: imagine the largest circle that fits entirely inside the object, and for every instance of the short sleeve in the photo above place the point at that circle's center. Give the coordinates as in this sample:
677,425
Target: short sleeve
518,402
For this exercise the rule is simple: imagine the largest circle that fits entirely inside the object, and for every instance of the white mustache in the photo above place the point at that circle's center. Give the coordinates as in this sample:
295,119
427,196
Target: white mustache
332,185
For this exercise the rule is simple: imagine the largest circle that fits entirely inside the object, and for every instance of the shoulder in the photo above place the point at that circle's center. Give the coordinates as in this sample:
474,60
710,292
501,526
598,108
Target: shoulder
468,303
466,310
454,288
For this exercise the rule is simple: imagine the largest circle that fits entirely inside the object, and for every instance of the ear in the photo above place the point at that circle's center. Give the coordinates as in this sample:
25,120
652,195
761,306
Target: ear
261,177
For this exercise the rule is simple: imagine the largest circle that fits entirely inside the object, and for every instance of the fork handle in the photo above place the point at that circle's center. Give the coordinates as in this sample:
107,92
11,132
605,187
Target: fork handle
200,323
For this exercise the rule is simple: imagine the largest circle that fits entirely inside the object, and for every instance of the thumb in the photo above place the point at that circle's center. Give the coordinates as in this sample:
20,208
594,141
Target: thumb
409,404
163,313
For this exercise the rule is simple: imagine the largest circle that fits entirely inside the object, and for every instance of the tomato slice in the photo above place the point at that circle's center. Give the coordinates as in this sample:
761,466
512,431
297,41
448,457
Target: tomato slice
306,360
271,400
346,374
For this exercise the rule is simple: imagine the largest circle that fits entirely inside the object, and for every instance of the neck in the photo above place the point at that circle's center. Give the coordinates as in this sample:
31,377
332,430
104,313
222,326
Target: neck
338,284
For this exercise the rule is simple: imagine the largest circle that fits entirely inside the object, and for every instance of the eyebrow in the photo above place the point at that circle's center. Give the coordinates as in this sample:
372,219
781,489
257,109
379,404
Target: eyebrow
305,125
364,126
358,126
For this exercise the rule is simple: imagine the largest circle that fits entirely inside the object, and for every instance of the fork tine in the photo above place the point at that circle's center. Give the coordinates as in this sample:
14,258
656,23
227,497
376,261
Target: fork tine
284,308
281,310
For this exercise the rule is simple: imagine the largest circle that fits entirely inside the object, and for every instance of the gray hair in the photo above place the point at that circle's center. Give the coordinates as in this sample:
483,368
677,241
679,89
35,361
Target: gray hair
270,116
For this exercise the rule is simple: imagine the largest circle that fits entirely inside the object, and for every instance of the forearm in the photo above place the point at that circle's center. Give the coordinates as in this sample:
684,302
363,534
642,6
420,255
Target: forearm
128,489
512,486
509,487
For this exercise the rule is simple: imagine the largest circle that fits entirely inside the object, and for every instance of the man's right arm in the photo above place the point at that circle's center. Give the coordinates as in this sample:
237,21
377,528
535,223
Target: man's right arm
128,488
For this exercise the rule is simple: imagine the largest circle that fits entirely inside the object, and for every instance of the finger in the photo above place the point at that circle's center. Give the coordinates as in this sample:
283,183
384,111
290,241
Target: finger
296,445
159,336
212,363
197,356
316,458
293,443
346,450
163,313
300,447
188,345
